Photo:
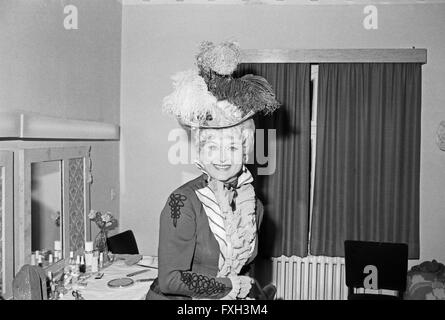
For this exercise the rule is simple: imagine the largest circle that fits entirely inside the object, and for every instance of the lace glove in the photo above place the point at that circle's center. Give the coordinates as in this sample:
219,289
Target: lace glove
240,287
246,285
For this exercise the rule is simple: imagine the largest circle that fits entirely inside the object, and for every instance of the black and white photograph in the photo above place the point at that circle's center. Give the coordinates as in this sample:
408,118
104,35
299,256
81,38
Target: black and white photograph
250,153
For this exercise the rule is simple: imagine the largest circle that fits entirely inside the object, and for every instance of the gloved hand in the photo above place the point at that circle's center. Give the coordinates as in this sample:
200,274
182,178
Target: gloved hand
245,285
240,287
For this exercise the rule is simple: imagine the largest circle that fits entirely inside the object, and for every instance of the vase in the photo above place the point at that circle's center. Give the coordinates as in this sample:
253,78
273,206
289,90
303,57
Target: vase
100,242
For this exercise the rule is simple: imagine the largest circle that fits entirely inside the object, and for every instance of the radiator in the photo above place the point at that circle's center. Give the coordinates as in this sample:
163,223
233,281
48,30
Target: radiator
309,278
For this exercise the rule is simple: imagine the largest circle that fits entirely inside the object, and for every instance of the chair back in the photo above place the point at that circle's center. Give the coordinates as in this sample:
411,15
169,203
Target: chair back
390,260
123,243
30,284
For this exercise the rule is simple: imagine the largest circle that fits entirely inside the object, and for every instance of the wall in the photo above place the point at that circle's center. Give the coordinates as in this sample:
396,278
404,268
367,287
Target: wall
158,41
75,74
53,71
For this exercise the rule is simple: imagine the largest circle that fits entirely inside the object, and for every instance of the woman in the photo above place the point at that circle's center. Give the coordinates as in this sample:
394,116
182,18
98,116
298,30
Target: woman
208,227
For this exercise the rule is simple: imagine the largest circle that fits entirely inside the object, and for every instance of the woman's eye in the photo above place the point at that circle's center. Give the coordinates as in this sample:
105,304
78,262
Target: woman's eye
233,148
212,148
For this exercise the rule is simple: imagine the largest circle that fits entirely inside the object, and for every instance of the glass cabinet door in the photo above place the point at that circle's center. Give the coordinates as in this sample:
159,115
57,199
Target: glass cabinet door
6,223
52,203
46,205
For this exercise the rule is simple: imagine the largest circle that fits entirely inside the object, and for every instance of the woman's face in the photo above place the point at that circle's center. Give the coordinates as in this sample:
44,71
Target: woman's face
221,154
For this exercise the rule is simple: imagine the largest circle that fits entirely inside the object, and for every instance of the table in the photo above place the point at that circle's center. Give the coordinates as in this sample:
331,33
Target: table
97,289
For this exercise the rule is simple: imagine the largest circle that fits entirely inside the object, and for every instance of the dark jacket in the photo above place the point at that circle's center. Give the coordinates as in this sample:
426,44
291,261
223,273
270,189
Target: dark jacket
188,251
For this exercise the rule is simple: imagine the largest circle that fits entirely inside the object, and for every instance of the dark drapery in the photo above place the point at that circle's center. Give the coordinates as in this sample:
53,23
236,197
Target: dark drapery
368,156
285,193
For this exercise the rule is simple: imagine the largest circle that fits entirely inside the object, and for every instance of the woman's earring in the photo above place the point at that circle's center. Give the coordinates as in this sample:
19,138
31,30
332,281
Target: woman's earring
245,158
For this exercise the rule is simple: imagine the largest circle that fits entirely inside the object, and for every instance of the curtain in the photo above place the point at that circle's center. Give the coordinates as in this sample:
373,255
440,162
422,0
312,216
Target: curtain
284,192
367,156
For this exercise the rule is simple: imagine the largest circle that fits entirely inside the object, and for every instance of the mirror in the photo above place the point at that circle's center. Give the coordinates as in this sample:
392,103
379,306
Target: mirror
50,181
46,210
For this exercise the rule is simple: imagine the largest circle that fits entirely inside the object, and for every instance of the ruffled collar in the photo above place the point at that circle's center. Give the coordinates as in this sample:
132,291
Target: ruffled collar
237,203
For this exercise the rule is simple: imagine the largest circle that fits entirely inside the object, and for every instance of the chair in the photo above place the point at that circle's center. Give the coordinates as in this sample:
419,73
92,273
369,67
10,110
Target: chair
123,243
266,293
270,291
30,284
391,261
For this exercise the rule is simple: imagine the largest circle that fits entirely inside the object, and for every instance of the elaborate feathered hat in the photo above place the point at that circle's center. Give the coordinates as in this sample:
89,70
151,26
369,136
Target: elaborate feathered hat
210,97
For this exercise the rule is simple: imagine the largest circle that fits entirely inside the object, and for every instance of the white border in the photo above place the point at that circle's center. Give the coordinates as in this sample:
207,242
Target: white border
277,2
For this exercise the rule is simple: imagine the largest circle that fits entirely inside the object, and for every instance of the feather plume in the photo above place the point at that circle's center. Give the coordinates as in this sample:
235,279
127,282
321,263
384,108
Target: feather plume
211,96
190,100
249,93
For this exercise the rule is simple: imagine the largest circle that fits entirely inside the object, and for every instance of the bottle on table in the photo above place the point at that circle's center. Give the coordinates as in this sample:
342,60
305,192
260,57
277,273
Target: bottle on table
70,269
40,261
33,259
101,260
95,262
57,250
75,267
72,261
37,253
88,255
82,266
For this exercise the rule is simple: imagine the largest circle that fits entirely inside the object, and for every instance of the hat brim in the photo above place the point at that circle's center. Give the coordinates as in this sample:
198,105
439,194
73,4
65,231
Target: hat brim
202,126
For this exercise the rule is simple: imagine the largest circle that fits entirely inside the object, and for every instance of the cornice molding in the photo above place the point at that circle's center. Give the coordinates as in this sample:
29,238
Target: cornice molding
20,125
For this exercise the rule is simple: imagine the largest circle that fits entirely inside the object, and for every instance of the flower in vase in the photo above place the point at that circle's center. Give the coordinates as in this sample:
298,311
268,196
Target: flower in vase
105,221
106,217
92,214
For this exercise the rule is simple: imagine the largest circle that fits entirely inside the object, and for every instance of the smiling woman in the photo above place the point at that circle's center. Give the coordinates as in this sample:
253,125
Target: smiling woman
222,152
208,227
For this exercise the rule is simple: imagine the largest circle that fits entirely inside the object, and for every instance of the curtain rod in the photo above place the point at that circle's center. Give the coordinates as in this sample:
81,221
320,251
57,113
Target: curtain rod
334,55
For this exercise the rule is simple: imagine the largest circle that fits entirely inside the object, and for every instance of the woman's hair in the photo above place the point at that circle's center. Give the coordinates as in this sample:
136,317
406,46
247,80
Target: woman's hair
244,130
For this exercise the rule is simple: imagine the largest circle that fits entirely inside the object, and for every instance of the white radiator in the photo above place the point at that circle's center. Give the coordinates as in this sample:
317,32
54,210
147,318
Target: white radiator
309,278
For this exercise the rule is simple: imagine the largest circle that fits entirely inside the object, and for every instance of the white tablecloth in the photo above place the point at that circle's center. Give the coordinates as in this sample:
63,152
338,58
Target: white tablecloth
97,289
